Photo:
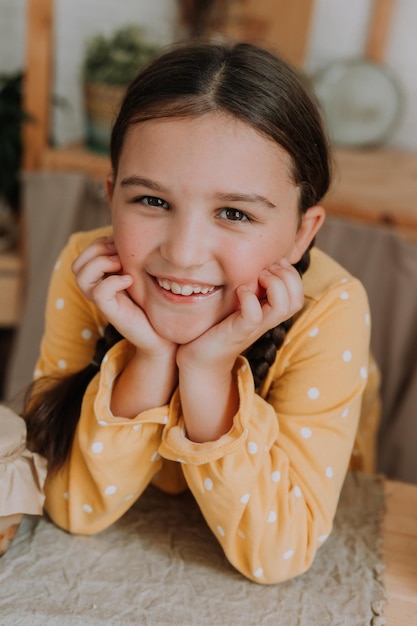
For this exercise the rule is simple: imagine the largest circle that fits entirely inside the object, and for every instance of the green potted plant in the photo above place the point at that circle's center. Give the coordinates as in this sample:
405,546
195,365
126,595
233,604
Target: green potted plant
12,116
110,64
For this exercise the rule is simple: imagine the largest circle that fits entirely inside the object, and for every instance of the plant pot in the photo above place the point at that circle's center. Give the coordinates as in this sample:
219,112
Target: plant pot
102,103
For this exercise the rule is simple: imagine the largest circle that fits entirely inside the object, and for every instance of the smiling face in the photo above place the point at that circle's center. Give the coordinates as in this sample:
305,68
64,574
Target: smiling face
199,207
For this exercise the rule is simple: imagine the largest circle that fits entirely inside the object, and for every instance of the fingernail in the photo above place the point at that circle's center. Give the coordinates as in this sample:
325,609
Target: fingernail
285,262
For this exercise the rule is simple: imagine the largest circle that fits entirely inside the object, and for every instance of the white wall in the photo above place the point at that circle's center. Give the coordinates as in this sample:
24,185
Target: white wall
338,31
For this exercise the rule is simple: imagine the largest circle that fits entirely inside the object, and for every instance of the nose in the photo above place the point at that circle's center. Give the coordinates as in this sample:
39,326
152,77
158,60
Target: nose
185,243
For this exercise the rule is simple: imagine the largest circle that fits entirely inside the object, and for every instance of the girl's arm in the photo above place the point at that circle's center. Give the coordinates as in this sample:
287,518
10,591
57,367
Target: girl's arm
207,377
269,487
113,456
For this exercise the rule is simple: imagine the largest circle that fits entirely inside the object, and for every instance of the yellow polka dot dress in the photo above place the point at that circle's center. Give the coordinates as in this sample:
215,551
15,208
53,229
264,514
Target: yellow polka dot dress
269,488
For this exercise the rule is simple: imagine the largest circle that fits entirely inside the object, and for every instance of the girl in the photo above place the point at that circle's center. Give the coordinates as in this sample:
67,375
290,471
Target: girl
228,368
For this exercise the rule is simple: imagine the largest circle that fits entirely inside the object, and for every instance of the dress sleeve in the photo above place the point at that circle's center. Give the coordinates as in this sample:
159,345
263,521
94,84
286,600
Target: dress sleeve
112,458
269,488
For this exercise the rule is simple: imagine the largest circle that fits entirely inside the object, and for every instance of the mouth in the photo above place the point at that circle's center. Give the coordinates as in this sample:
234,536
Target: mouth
184,289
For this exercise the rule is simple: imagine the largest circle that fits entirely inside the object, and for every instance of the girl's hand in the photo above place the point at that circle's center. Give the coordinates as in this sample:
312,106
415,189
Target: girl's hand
99,275
208,390
222,343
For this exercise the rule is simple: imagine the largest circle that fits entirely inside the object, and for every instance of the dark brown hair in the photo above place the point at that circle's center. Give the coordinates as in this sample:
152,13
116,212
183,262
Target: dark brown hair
189,80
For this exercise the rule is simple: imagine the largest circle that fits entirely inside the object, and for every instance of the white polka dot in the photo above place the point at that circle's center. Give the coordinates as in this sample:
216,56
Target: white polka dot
60,303
364,373
241,534
306,433
272,517
179,460
252,447
129,497
345,412
165,419
110,490
367,319
38,373
97,447
101,331
66,495
155,456
288,554
137,426
62,364
105,358
102,423
322,538
344,280
343,295
208,484
244,368
314,332
276,477
220,530
87,508
245,498
287,341
258,572
57,265
86,334
347,356
297,492
313,393
329,471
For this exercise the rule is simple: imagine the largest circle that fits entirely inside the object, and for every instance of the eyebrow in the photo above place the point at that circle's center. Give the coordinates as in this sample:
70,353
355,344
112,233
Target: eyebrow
141,181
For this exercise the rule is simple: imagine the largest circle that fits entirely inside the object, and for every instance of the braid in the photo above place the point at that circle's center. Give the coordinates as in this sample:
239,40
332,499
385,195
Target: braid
52,410
261,354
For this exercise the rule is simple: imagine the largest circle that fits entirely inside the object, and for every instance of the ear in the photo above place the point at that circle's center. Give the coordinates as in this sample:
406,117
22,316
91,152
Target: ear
310,224
109,187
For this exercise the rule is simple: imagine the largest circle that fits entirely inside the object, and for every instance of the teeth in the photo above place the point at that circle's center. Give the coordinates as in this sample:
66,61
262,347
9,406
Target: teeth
184,290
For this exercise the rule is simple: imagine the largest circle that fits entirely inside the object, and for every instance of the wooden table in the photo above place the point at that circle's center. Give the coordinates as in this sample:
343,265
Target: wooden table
400,552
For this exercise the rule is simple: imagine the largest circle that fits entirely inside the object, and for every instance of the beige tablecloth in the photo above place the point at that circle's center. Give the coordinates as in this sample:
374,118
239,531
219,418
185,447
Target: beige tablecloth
160,565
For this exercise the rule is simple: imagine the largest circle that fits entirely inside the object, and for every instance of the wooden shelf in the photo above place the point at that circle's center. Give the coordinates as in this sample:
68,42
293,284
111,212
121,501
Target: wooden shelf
10,288
76,158
376,186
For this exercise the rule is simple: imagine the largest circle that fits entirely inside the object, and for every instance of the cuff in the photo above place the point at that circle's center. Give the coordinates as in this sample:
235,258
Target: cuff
176,447
112,365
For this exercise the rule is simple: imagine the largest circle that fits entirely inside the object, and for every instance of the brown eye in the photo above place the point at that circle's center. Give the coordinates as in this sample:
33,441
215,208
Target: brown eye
154,201
234,215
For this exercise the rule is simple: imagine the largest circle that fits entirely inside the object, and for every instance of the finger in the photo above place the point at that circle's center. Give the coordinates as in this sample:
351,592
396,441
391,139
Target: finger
250,307
106,294
95,271
102,246
284,292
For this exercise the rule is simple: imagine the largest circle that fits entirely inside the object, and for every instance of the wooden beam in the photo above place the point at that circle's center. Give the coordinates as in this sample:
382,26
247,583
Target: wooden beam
37,80
379,28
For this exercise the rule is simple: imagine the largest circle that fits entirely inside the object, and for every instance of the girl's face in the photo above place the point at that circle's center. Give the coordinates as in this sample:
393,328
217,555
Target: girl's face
199,207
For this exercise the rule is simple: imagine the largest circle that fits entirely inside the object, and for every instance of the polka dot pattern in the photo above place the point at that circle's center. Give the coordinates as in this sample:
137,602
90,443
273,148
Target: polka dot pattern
306,433
347,356
86,334
252,447
97,447
110,490
288,554
276,477
208,484
59,303
245,498
313,393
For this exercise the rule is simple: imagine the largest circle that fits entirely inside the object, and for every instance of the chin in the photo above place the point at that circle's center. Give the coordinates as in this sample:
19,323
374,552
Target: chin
180,334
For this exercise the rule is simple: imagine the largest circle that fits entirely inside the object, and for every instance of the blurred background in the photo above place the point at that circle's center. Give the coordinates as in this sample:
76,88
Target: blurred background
64,65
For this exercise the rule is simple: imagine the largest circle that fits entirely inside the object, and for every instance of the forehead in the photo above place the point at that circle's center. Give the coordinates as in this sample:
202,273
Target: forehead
212,141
